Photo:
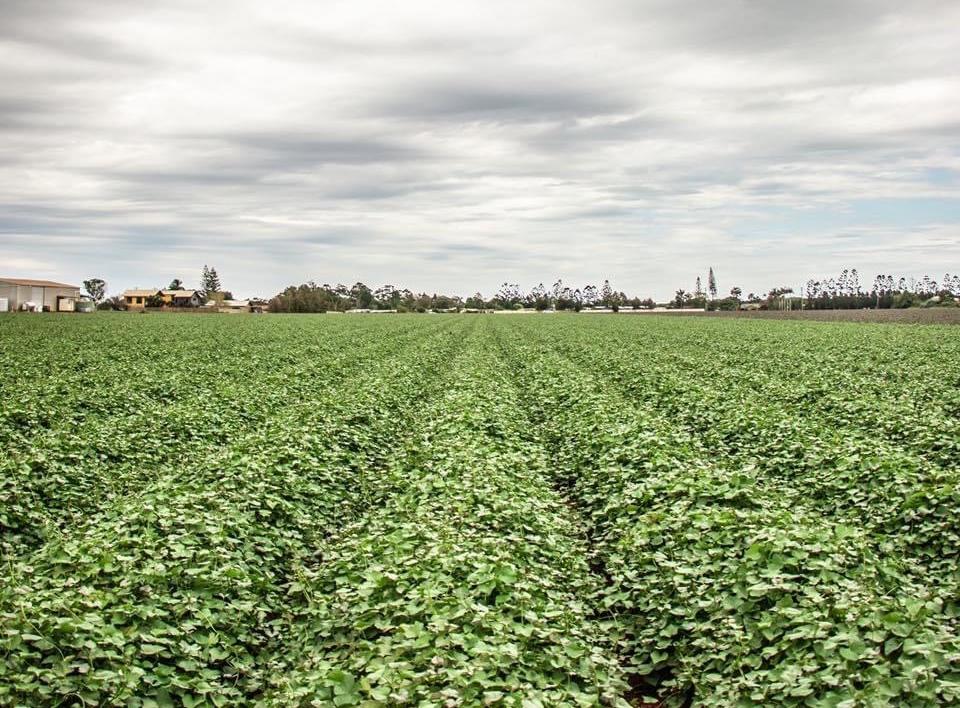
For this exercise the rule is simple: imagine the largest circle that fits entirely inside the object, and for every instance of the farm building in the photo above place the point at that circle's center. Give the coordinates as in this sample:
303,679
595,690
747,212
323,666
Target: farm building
182,298
137,299
39,295
233,306
239,306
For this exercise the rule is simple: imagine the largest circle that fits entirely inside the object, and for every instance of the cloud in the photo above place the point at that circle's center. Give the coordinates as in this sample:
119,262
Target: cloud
454,146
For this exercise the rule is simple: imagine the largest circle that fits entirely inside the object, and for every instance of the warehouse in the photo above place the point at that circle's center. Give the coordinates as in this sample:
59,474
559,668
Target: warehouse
38,295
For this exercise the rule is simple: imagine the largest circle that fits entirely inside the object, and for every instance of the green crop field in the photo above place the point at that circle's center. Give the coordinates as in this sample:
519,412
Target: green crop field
478,510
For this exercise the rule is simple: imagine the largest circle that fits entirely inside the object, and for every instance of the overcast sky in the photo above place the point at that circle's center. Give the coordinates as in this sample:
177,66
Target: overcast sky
452,146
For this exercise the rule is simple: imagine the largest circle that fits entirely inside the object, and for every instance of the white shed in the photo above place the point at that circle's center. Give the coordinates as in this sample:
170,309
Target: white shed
22,293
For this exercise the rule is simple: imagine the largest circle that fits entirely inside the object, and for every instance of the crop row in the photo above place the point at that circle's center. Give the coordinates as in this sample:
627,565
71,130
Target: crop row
471,586
181,589
77,439
830,452
728,590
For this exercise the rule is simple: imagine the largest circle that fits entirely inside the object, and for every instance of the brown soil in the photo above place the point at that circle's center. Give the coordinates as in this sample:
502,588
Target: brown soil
926,315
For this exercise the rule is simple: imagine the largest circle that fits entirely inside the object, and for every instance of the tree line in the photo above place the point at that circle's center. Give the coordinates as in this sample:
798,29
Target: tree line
886,291
311,297
842,292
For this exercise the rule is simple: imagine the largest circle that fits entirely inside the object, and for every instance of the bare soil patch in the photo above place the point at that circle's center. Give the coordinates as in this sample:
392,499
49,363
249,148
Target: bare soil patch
931,315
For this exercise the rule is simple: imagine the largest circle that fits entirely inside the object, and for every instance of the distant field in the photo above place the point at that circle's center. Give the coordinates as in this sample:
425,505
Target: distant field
477,510
913,315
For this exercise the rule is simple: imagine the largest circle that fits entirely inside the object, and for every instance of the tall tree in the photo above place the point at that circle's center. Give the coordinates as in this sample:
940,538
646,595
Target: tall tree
211,281
387,296
509,295
557,291
590,295
879,286
538,298
606,294
776,298
712,284
361,295
843,282
698,292
951,284
96,288
175,284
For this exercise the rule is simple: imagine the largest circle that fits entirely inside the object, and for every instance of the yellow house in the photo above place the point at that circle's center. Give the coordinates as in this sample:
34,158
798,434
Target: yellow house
137,299
181,298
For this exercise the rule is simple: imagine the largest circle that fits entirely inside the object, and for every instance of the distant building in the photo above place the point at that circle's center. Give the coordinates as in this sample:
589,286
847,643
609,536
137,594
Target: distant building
233,306
255,305
181,298
137,299
39,295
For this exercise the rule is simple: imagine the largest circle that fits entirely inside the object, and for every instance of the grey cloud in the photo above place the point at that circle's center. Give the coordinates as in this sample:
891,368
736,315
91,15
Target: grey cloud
25,111
72,30
465,100
747,28
269,161
286,149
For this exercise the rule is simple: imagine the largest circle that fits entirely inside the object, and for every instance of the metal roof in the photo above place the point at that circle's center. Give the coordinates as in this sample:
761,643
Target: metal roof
180,293
38,283
140,293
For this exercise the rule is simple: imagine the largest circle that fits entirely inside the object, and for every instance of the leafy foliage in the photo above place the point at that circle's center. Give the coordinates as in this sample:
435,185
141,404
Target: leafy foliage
767,541
96,288
494,510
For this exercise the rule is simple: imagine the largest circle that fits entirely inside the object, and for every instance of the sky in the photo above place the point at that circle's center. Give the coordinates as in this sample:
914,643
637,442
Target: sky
452,146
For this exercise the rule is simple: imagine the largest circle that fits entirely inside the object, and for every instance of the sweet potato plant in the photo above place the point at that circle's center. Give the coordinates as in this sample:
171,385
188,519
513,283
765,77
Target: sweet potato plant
454,510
